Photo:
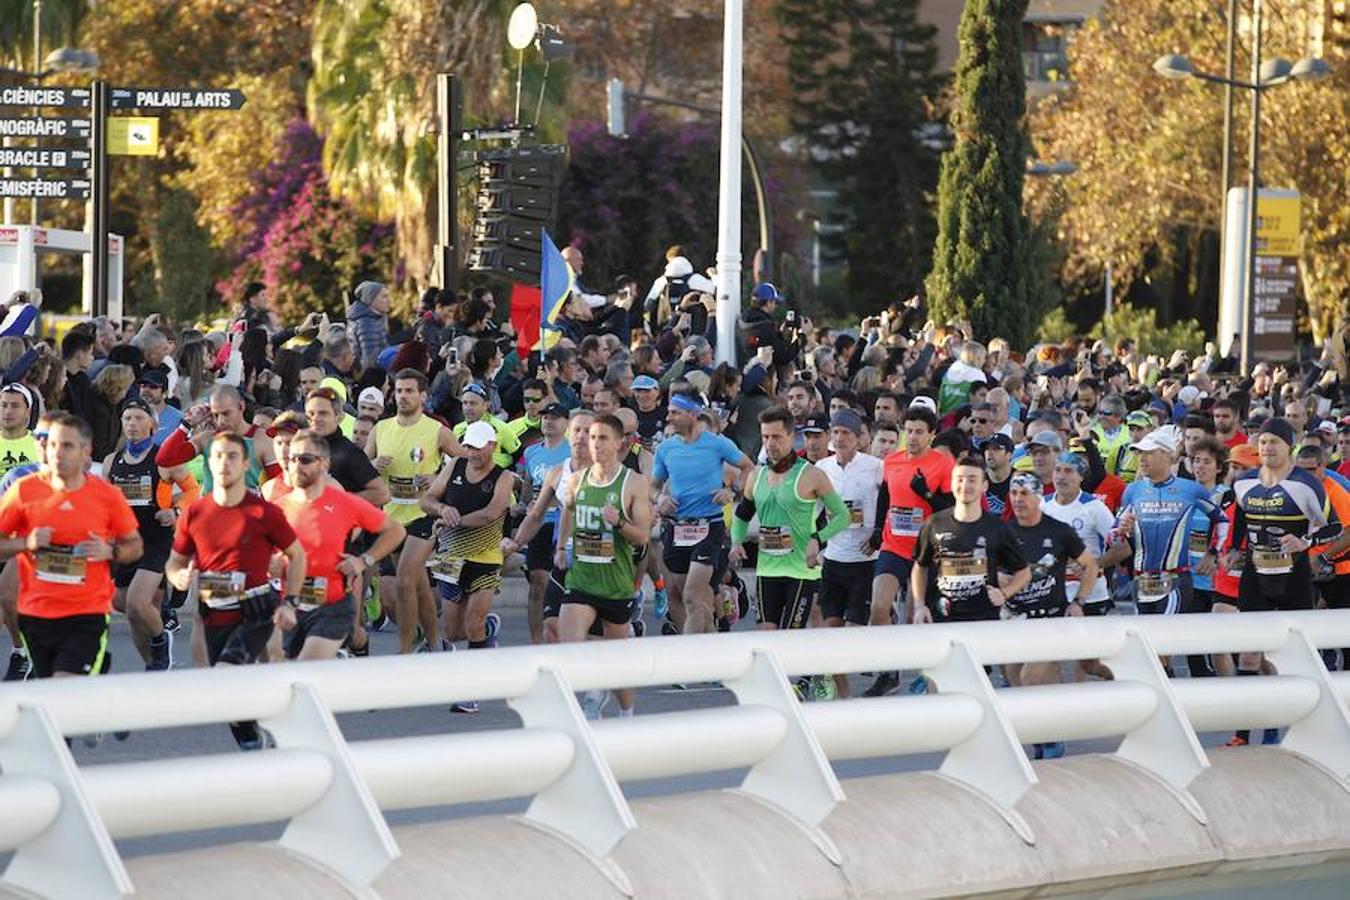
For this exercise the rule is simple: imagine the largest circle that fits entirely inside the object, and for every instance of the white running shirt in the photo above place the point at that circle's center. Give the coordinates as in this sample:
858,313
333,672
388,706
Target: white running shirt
857,484
1090,518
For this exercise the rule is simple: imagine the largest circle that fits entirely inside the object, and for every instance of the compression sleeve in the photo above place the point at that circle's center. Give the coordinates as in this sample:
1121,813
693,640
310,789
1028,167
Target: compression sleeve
883,507
941,500
189,491
175,451
740,523
839,516
164,495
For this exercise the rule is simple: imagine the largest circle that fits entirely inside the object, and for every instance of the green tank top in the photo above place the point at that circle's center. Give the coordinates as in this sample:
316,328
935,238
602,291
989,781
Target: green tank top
602,560
786,523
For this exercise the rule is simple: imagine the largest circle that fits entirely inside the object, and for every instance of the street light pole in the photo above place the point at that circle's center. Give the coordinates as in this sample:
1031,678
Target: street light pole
1253,186
1229,73
37,67
729,187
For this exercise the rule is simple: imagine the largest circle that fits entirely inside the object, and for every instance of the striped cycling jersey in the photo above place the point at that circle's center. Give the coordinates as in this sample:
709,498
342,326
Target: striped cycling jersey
1162,513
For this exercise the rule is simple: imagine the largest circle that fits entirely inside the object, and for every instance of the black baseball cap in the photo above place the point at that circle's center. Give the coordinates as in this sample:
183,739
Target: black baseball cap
999,440
554,409
816,422
154,377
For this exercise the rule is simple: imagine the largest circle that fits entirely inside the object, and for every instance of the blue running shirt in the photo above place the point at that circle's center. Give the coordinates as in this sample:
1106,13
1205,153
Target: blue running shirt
695,472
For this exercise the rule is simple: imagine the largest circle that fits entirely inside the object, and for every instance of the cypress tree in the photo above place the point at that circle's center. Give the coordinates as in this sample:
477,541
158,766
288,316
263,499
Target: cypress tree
981,260
861,73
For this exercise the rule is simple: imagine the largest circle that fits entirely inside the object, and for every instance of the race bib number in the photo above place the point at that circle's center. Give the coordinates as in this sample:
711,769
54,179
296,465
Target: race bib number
905,521
445,569
404,491
855,512
138,492
220,590
690,532
1199,543
59,564
1272,562
314,592
594,547
774,541
1153,587
962,577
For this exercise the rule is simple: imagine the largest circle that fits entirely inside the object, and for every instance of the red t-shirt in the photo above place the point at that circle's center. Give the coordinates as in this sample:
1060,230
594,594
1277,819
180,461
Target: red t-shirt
1110,491
233,538
1237,438
908,511
323,527
53,583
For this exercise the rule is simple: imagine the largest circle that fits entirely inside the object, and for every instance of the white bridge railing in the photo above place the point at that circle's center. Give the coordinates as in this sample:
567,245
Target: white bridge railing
60,819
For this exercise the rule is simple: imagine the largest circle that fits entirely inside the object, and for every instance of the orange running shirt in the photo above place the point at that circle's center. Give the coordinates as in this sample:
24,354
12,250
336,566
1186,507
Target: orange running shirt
908,511
323,528
53,583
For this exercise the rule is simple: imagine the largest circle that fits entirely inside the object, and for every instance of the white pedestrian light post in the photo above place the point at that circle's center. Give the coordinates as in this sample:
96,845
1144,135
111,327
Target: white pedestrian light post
729,187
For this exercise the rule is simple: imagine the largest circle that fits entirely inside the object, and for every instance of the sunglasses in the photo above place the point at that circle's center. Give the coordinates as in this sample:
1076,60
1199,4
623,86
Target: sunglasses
980,421
305,459
529,399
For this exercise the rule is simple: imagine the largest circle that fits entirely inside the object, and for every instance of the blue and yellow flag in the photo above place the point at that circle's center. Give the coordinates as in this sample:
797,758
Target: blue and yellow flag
556,281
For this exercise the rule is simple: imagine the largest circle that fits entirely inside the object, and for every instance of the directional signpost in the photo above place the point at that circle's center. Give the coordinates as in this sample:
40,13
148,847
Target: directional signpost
88,178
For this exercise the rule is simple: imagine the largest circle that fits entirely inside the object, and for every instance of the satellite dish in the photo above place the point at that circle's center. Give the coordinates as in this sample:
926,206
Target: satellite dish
522,27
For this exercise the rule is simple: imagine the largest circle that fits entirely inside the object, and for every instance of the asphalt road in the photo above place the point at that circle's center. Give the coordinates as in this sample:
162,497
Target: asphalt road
169,744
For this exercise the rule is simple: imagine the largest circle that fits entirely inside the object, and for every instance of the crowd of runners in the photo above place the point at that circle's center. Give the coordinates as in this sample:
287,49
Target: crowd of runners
265,493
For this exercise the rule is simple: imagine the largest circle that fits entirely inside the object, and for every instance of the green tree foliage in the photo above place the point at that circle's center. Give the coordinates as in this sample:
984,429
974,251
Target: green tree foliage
981,262
1151,338
1148,151
860,73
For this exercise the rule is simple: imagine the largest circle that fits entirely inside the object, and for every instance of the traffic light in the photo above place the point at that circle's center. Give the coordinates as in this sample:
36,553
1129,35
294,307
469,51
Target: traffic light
517,199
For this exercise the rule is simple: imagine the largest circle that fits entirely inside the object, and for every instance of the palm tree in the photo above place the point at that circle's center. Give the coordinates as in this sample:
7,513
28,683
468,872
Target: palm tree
373,97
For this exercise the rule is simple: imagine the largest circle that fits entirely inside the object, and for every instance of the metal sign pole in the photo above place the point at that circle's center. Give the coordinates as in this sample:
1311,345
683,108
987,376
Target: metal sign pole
99,224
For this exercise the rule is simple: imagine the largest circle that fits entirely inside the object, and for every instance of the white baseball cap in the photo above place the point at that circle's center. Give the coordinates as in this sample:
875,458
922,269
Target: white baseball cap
478,435
927,402
371,395
1156,440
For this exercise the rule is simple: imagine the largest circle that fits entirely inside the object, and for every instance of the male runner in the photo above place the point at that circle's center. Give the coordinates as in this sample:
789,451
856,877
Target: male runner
846,576
1156,523
553,492
915,482
470,498
148,489
323,517
224,413
22,455
1048,546
66,528
224,545
784,492
606,516
538,460
960,553
348,463
694,536
1090,520
407,451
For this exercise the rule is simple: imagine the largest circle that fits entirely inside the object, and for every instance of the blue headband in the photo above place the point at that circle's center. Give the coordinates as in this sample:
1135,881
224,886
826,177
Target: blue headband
680,401
1080,463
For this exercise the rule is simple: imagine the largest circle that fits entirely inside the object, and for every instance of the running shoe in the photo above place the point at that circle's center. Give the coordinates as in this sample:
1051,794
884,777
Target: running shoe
661,603
823,688
1054,750
363,652
885,683
493,627
373,608
639,628
161,653
170,617
802,688
469,707
918,687
668,628
593,704
343,652
19,666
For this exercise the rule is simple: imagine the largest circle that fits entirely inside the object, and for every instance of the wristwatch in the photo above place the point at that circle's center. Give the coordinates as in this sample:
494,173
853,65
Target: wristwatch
367,560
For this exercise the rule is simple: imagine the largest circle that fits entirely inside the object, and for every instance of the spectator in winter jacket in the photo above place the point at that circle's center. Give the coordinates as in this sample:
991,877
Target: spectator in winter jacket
368,322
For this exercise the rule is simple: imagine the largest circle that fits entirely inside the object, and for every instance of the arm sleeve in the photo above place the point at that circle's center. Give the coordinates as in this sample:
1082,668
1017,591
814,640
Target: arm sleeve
883,505
190,491
838,513
176,450
740,523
